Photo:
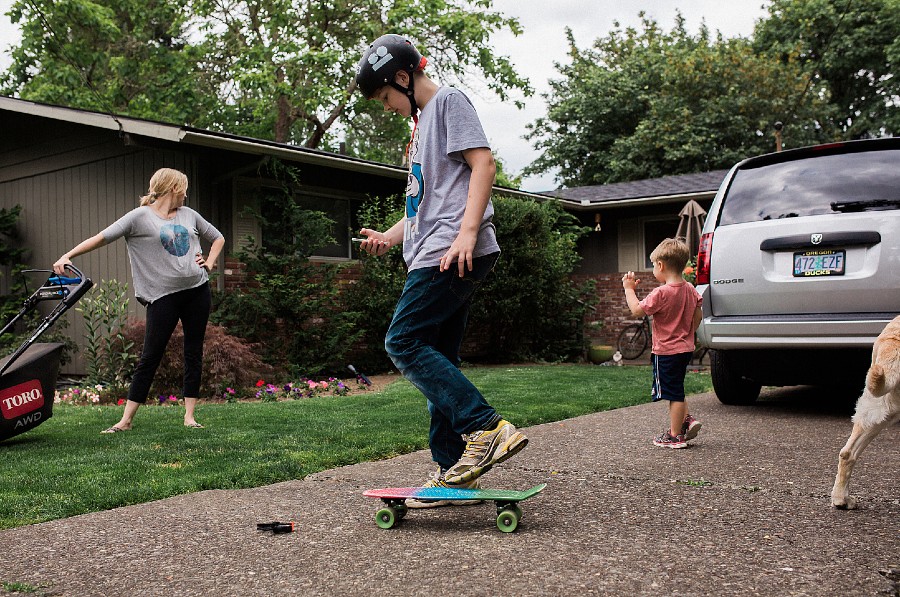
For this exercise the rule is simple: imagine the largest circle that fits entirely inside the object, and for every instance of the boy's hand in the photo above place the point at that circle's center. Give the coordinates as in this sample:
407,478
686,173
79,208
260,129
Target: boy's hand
629,282
375,243
460,252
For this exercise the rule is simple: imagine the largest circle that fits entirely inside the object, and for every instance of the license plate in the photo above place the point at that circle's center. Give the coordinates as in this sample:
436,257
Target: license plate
825,262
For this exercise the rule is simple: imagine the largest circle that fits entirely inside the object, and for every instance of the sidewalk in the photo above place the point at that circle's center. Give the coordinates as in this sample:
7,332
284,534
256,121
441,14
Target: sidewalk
744,511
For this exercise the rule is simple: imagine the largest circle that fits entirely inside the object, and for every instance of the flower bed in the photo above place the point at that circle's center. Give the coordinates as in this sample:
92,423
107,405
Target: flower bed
87,395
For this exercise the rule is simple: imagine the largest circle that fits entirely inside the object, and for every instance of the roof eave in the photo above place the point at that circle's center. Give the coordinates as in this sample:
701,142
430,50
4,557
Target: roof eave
199,137
603,205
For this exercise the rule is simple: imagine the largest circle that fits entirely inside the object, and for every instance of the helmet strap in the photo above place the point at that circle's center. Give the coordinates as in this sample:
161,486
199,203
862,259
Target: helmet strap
410,94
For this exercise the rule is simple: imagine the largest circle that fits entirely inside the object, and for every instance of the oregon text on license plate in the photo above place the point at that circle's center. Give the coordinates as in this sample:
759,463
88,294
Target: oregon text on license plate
823,262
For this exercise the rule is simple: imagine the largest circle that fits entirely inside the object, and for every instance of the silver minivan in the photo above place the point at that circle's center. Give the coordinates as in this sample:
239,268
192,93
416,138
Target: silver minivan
799,267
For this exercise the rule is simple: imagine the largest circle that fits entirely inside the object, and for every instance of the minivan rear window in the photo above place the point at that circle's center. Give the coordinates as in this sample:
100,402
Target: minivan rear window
826,184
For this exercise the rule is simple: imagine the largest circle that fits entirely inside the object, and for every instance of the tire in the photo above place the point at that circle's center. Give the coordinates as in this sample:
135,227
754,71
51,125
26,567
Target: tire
730,386
632,341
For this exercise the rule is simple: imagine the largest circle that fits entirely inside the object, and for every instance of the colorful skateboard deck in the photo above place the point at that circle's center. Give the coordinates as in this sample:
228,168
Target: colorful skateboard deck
507,501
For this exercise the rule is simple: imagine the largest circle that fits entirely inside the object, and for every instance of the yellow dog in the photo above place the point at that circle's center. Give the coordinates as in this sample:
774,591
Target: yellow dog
878,407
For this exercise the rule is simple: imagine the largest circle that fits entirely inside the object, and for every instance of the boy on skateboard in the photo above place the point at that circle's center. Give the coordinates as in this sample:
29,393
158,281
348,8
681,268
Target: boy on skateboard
675,307
450,246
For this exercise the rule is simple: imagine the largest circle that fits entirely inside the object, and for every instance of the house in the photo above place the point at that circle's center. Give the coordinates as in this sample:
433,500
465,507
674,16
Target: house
75,171
628,220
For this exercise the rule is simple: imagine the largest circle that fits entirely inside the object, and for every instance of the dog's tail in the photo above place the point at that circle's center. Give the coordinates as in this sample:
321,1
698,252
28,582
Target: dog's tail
880,380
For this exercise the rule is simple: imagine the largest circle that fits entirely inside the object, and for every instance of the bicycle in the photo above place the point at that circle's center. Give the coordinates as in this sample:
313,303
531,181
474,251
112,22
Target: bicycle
634,339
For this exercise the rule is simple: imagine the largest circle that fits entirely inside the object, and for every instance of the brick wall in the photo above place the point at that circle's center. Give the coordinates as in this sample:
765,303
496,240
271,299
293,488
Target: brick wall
236,274
610,303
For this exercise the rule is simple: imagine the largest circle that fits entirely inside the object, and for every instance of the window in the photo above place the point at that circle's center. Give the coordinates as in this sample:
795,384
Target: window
338,210
637,237
654,232
813,186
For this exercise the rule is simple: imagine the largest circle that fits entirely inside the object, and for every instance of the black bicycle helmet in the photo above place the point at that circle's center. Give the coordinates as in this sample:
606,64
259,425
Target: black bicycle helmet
384,58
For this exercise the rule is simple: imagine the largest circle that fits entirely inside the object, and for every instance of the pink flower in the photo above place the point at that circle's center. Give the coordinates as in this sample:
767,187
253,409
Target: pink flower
173,398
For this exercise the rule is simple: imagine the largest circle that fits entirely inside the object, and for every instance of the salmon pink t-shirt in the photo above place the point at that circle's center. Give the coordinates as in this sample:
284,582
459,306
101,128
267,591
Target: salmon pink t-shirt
672,307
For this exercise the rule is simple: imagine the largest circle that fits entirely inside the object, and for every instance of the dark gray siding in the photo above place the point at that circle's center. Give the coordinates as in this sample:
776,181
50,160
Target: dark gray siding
73,184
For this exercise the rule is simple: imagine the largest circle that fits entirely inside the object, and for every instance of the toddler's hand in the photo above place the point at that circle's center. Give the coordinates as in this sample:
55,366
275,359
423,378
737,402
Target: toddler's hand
629,282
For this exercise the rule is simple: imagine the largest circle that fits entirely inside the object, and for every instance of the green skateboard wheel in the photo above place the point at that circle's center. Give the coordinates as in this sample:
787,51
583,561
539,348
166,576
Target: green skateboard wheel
386,518
507,520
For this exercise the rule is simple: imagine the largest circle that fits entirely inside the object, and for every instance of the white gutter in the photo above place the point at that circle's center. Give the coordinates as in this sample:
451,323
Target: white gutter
156,130
307,157
588,205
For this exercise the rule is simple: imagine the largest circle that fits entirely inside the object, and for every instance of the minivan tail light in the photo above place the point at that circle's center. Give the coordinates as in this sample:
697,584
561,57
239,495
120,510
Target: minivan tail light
703,253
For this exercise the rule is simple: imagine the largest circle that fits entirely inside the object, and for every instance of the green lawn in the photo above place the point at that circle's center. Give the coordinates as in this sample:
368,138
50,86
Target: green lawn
65,467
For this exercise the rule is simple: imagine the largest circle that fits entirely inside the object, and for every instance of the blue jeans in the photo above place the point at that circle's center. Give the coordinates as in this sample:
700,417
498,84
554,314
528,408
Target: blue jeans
423,342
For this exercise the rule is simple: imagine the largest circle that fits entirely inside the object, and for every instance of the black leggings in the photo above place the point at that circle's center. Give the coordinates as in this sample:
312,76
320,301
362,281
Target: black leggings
192,308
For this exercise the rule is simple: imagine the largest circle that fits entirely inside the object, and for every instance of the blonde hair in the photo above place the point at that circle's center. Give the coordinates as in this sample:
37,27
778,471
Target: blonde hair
673,252
164,180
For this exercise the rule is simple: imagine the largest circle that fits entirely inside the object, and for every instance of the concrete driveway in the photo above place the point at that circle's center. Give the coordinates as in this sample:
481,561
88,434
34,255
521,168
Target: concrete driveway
744,511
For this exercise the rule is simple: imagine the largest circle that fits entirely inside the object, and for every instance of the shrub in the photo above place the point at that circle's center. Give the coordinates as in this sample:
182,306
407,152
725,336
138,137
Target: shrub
227,361
374,296
291,308
109,355
12,254
528,308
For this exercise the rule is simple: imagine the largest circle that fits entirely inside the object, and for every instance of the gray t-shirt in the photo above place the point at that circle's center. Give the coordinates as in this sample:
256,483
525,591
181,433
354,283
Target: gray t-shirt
438,184
163,251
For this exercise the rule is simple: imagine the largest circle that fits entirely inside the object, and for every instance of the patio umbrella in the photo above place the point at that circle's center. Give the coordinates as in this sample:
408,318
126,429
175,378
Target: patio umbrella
692,218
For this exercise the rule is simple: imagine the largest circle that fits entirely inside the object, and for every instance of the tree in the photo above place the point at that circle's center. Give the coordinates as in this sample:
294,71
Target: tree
851,48
288,67
271,69
128,57
650,103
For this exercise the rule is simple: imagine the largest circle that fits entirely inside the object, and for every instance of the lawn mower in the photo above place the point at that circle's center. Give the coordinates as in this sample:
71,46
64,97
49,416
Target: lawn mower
28,375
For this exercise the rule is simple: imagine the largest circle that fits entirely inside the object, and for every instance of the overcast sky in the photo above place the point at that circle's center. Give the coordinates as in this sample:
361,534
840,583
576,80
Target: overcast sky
543,44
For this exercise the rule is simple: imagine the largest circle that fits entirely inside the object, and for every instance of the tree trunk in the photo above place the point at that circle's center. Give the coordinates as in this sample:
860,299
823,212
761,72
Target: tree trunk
284,117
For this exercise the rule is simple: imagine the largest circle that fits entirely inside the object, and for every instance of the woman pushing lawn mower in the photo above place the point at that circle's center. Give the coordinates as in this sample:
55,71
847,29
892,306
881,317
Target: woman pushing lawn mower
171,279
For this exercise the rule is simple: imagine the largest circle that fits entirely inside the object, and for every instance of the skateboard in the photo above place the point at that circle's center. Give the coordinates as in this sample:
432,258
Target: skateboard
507,501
